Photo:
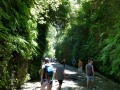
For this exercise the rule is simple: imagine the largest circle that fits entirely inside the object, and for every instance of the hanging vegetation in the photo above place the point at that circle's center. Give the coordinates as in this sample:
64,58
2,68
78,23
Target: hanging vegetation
23,27
82,28
94,35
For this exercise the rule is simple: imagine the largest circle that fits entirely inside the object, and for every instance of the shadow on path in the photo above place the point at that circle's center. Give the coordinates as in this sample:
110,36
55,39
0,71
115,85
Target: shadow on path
75,81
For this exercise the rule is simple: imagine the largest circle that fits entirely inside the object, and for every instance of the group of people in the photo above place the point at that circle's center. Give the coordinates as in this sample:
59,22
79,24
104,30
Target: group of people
89,71
47,73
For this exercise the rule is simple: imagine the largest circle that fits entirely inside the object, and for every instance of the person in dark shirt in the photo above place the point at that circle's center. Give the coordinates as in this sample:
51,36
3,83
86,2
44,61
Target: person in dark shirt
90,72
73,62
63,61
60,74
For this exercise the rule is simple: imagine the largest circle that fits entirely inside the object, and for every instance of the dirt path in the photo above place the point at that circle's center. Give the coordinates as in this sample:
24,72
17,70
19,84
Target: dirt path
75,81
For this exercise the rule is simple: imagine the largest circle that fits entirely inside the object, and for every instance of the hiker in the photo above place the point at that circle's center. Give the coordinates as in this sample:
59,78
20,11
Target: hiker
73,62
60,74
90,72
79,65
63,62
46,75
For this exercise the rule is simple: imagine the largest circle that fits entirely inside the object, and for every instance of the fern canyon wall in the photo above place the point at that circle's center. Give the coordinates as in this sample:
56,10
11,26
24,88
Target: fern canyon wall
33,29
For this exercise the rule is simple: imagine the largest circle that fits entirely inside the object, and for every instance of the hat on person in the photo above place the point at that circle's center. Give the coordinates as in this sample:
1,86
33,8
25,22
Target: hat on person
47,59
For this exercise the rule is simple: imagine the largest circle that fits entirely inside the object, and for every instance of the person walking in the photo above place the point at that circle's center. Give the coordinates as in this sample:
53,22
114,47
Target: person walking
60,74
63,62
79,65
73,62
90,72
46,75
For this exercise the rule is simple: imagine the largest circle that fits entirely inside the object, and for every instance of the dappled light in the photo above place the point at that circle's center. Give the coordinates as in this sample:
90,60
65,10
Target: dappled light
31,30
74,81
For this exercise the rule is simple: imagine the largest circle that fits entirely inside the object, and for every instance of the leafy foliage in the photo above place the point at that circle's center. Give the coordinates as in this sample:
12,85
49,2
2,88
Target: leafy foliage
17,42
94,35
23,29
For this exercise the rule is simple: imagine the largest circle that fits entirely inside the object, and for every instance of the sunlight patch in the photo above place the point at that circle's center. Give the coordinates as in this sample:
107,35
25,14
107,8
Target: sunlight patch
70,72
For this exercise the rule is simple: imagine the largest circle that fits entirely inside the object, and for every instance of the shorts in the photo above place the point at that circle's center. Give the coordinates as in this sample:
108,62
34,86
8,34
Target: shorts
90,78
79,69
60,82
46,82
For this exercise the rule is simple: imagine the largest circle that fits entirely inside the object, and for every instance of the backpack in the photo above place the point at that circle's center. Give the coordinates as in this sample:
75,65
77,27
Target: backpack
48,71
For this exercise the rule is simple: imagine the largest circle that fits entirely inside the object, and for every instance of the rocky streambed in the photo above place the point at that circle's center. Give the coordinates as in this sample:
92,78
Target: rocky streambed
76,81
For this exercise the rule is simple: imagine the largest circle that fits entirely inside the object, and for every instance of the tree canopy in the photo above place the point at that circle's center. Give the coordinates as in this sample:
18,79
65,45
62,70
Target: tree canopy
94,34
32,29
